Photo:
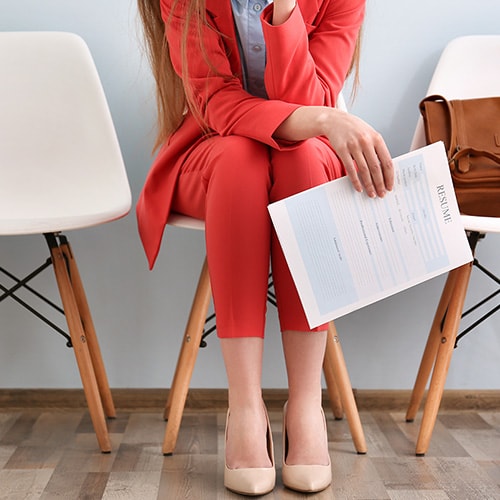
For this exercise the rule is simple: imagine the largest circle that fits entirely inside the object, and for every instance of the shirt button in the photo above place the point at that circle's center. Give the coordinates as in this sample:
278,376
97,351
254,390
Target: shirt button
257,48
257,7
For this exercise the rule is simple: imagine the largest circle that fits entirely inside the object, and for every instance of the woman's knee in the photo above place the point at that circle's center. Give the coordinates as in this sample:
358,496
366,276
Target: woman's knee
240,163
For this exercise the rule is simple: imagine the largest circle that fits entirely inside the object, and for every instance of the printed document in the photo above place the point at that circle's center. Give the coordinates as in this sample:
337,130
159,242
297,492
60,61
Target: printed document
346,250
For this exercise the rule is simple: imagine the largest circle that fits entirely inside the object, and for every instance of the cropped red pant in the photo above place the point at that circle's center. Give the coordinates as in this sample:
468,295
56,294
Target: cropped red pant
228,182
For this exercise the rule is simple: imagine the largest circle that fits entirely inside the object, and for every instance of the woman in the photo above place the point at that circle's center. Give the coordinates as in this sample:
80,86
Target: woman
246,97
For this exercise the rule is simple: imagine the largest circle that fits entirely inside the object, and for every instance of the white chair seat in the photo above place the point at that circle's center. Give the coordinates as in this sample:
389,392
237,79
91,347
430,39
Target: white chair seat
481,224
179,220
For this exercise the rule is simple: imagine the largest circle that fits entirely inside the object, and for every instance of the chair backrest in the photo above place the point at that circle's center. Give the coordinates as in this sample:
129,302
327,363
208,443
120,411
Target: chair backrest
60,162
469,67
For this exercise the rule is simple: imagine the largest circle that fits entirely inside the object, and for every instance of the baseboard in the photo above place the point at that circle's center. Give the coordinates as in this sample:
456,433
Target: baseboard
214,399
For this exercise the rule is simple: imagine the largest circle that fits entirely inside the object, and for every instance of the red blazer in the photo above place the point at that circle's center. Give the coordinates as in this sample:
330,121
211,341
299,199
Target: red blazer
307,60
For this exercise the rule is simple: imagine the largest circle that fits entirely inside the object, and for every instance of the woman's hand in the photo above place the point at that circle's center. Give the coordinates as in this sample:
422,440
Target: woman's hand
361,149
282,10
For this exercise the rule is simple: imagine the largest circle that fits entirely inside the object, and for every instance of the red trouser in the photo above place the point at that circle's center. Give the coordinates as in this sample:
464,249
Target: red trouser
228,182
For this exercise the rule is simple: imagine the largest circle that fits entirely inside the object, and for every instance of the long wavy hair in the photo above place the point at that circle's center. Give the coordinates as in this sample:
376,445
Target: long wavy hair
173,93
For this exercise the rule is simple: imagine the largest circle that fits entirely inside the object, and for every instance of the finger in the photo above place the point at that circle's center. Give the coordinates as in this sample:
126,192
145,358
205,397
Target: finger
365,175
387,167
375,172
351,170
386,164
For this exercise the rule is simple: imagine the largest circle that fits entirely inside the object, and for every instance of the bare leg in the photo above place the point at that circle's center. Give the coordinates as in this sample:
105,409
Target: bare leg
246,440
307,442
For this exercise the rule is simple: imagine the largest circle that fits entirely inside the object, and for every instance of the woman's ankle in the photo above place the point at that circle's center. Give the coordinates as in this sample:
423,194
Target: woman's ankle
247,437
306,434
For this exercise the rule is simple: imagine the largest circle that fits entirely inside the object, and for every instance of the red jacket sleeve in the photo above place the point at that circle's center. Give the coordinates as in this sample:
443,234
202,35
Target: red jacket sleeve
307,62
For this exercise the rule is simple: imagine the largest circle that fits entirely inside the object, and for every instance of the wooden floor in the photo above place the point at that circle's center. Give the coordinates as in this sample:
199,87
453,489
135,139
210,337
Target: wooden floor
53,455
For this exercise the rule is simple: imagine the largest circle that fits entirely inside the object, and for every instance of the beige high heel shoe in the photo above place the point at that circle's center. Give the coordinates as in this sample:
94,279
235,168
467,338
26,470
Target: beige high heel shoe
252,481
304,478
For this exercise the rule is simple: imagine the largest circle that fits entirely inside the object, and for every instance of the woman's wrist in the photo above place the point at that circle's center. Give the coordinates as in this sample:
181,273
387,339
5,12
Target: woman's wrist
324,119
306,122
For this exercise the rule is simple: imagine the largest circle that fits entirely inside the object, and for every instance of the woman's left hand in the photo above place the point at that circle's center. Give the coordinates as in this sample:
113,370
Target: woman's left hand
361,149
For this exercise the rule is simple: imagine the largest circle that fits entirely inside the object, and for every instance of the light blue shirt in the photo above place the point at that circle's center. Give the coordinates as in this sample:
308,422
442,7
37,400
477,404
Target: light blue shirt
251,43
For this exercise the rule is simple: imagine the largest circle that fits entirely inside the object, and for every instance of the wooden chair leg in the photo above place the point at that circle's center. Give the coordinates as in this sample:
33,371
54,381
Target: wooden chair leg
431,349
334,357
443,357
186,361
80,346
331,385
90,333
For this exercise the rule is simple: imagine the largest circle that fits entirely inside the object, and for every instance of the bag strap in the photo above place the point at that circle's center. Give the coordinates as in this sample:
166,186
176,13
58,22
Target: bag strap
451,116
474,152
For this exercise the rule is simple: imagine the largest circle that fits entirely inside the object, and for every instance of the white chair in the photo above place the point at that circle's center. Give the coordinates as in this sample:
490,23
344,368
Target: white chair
60,169
469,67
337,379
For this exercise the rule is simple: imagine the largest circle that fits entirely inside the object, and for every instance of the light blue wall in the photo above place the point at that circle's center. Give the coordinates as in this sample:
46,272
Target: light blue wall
140,315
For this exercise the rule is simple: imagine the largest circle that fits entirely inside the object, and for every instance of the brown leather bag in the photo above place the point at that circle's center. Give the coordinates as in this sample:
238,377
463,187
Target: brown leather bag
470,130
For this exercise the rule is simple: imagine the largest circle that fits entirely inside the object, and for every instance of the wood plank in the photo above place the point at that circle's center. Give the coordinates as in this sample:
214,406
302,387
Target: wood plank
93,486
418,495
397,439
377,442
464,420
34,457
492,418
138,457
144,428
23,484
83,455
479,444
63,485
492,468
57,428
442,443
7,420
20,429
463,478
5,453
198,434
356,477
132,485
403,473
188,476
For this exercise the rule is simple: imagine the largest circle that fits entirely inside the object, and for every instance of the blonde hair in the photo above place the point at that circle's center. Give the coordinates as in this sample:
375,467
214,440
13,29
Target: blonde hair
173,93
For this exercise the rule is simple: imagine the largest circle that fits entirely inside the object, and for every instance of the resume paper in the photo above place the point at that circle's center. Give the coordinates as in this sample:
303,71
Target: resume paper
346,250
